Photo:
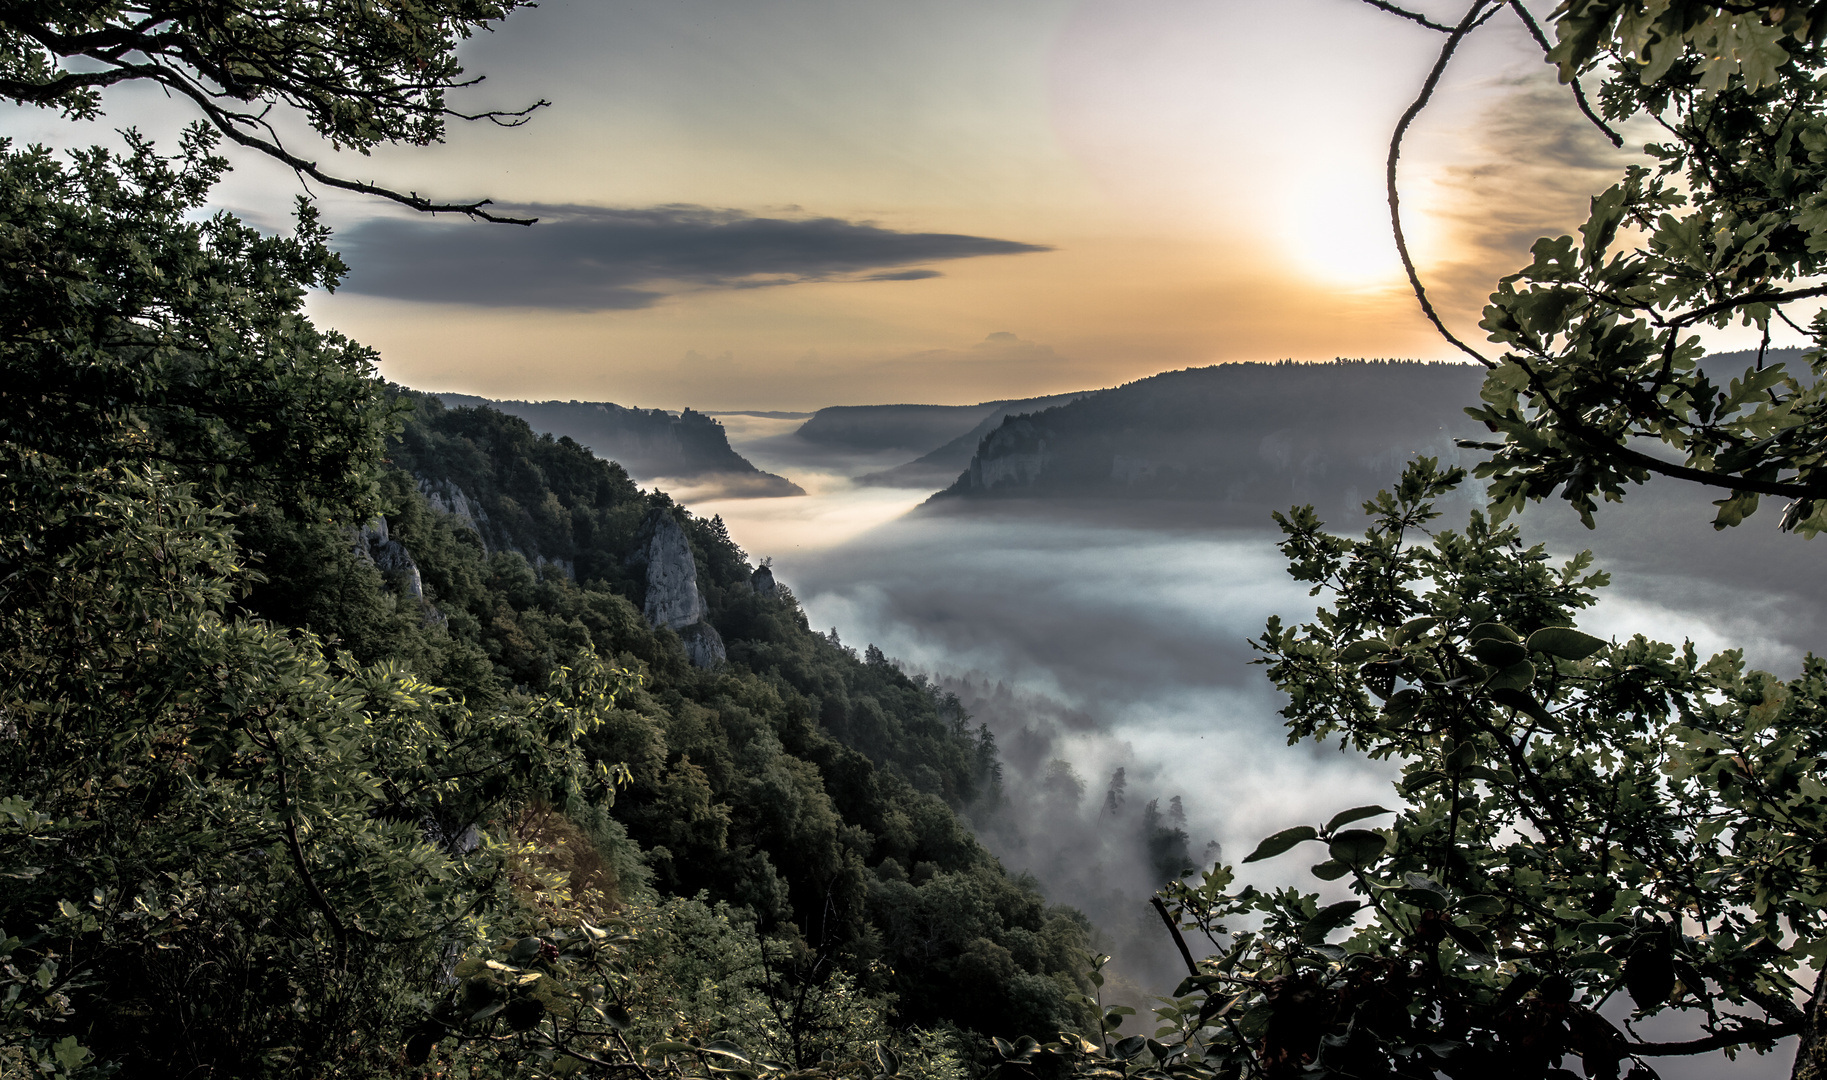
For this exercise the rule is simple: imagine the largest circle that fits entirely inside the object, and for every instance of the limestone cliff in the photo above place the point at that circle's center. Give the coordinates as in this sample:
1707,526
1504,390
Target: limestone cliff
673,600
445,497
1012,456
375,543
389,556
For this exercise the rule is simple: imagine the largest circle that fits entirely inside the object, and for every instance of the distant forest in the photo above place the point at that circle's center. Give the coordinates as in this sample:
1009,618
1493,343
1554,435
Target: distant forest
1252,436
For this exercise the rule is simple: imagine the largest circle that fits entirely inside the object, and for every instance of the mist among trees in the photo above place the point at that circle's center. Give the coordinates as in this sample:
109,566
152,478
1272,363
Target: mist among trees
342,733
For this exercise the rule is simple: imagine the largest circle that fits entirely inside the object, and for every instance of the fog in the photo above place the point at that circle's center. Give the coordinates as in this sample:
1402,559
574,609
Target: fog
1117,637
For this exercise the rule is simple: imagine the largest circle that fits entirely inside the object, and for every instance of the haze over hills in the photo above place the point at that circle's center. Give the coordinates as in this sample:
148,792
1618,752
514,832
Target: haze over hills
648,443
913,428
944,436
1240,435
938,466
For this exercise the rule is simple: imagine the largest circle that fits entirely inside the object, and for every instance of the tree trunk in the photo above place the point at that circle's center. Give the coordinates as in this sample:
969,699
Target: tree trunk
1811,1050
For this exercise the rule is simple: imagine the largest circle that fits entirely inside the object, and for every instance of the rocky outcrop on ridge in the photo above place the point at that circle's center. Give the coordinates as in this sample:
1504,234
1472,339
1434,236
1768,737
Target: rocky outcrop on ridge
447,498
389,556
673,600
374,543
1012,456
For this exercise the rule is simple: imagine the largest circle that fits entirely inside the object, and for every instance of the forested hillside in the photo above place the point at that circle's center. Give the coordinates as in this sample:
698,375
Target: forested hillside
1257,437
941,463
340,732
648,443
809,785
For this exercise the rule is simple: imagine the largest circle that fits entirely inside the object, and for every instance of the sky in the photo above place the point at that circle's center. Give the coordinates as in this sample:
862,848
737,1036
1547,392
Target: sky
797,203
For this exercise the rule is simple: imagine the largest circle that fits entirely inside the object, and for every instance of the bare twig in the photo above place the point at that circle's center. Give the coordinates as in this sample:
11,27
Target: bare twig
1186,954
228,126
1411,16
1579,92
1474,16
178,62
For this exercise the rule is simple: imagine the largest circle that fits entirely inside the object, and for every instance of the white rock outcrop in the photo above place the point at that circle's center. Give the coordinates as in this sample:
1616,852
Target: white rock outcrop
703,645
375,543
447,498
389,556
673,600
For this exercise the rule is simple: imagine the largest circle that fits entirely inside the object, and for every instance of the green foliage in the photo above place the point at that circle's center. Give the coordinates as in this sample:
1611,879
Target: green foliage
133,332
679,988
1601,357
1580,822
234,843
360,73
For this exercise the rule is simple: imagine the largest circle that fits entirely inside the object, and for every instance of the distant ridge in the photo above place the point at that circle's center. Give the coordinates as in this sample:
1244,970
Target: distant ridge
939,465
648,443
1243,435
765,414
876,428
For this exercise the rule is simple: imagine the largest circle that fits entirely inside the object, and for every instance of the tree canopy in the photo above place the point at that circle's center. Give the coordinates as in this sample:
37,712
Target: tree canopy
1599,383
1604,850
361,73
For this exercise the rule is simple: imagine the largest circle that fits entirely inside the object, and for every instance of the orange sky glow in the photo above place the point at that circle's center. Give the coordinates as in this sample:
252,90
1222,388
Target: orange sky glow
1172,183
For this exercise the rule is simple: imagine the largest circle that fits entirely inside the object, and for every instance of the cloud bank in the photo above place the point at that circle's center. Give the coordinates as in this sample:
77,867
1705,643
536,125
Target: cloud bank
585,258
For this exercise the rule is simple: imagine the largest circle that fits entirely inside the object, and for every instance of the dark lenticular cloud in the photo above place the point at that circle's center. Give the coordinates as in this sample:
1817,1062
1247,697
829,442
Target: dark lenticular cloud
584,258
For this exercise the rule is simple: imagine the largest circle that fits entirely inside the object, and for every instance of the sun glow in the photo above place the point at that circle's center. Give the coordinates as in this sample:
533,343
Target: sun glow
1336,231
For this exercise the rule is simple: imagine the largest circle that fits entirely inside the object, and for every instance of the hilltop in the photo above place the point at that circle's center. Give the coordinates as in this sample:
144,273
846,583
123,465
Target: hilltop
1237,435
650,444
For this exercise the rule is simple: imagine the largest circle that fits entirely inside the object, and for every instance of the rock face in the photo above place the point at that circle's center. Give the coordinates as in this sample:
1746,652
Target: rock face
374,543
1012,456
389,556
703,645
447,498
673,600
672,576
762,581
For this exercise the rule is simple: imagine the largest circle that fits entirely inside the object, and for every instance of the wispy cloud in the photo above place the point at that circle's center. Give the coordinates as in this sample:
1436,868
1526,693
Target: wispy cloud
1537,163
584,258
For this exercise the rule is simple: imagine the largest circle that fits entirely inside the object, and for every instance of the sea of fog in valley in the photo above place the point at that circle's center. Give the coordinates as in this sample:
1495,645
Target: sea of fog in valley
1116,637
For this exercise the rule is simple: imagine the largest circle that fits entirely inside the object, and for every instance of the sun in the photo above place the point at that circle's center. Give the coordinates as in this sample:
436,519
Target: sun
1335,229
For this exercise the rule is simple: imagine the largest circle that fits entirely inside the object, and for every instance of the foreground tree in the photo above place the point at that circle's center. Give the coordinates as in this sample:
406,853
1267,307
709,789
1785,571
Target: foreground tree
359,73
1599,376
1592,841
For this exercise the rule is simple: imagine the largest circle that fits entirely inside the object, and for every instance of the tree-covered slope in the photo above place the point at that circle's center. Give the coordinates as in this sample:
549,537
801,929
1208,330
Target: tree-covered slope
302,774
814,786
1250,435
649,443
